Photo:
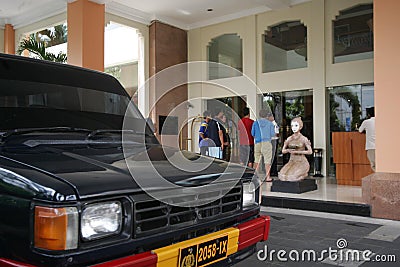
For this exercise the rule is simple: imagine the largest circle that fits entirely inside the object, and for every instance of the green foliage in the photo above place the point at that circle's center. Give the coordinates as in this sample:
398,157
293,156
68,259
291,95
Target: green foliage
352,99
37,43
295,109
39,50
334,120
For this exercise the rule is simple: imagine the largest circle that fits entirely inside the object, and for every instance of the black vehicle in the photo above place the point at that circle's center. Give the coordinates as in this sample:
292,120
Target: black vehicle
70,196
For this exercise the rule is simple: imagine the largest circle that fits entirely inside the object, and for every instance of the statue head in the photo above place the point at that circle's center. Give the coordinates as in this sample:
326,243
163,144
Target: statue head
297,124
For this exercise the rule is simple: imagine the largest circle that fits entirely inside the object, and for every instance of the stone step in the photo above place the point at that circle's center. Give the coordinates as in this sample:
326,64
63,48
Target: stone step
317,205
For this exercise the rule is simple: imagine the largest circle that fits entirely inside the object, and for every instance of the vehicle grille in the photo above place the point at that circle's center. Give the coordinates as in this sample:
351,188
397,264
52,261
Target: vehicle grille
153,216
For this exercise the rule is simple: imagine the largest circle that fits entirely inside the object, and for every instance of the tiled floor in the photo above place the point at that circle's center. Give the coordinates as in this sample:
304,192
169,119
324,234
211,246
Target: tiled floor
328,190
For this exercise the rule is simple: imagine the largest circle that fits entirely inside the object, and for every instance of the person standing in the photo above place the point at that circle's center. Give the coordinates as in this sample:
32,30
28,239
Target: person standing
203,134
274,142
215,134
246,140
263,130
219,118
369,127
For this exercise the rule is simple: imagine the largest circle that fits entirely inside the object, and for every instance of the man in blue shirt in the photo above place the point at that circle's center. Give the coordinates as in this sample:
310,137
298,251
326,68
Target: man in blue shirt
216,138
263,130
204,141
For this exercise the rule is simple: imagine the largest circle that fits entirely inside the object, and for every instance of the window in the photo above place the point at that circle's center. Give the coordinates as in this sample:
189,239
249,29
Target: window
26,104
353,34
347,110
348,106
285,47
225,49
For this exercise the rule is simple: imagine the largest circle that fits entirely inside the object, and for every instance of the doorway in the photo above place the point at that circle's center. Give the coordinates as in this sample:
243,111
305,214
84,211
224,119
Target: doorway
233,110
285,106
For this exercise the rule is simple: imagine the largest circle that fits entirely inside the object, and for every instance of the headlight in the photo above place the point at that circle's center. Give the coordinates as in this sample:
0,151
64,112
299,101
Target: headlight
101,220
249,194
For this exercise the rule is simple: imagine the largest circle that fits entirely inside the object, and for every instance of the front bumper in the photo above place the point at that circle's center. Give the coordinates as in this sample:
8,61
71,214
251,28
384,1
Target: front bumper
240,242
240,238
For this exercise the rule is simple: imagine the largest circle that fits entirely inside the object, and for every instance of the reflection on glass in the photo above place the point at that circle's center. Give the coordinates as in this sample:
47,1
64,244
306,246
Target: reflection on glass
285,47
348,106
347,110
353,34
225,49
285,106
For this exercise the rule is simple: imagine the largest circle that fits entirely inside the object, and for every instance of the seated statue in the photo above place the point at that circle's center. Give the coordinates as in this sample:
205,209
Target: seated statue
298,146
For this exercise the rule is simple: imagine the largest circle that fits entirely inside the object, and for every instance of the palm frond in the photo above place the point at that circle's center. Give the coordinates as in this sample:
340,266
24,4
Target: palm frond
39,49
32,46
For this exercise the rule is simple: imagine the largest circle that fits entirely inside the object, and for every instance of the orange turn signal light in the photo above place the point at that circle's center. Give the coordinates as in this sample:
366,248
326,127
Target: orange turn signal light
56,228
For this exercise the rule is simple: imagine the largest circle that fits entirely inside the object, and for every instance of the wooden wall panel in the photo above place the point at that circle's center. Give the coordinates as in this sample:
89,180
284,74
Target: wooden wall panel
344,171
360,171
341,145
358,149
350,157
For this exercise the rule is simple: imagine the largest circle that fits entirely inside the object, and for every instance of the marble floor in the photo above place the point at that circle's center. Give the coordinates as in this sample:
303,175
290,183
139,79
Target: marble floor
327,190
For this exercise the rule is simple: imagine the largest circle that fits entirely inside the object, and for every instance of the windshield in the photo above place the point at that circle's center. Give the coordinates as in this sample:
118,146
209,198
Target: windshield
26,104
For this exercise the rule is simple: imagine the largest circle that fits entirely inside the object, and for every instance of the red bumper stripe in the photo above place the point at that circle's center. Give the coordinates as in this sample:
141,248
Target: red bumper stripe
253,231
267,220
10,263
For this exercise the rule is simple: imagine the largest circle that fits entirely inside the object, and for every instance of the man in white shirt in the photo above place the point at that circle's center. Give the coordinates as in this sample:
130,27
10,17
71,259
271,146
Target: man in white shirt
369,127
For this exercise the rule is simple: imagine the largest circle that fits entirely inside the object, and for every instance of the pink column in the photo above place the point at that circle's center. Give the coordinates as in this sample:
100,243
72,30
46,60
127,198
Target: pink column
86,34
9,39
382,189
387,88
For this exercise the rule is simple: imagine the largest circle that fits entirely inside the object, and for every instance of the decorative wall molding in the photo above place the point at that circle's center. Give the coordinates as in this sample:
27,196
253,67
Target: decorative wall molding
53,8
128,13
34,15
229,17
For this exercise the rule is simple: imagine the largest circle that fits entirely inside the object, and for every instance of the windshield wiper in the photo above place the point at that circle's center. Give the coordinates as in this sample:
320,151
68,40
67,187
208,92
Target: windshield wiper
6,134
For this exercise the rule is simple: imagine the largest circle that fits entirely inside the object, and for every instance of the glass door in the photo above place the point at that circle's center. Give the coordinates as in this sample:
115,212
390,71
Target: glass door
347,110
285,106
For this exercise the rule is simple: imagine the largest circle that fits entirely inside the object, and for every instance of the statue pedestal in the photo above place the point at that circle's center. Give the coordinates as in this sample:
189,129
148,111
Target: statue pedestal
294,187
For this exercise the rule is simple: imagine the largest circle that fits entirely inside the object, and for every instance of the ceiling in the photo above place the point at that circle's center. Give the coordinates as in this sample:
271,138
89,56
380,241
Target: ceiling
185,14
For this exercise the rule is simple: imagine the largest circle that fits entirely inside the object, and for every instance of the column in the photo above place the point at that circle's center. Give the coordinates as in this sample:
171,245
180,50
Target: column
381,189
86,34
9,39
316,56
168,47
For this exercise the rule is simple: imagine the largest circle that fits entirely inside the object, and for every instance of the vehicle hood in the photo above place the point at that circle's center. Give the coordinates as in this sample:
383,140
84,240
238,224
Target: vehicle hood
93,170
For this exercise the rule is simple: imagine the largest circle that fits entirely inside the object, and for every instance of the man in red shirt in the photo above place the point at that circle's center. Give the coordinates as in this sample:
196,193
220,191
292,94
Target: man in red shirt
246,140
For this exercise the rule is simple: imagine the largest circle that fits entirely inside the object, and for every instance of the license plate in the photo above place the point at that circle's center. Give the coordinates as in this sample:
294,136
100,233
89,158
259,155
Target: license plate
204,253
